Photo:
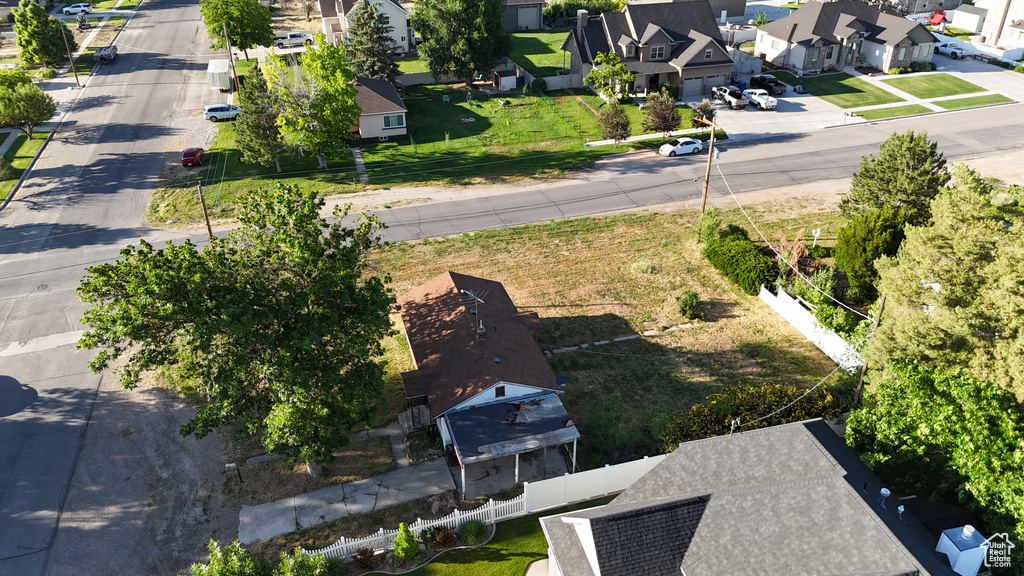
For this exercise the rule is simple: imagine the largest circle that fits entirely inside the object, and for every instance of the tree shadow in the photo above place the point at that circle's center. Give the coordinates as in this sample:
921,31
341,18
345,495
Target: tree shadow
15,396
34,238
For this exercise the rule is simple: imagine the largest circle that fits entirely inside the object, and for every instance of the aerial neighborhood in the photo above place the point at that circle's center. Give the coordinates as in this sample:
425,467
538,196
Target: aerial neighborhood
601,287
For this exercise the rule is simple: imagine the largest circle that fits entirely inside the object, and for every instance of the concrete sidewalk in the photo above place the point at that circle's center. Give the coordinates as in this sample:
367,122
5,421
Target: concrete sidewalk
265,521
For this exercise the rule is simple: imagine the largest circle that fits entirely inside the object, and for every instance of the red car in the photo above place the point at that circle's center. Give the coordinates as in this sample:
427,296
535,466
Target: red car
192,157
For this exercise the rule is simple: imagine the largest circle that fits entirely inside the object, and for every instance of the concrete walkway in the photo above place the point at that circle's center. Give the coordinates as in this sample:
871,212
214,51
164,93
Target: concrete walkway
256,523
7,137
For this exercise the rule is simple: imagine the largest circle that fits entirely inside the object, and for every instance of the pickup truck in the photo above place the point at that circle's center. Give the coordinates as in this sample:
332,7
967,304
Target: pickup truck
106,54
769,83
951,49
292,39
731,95
761,99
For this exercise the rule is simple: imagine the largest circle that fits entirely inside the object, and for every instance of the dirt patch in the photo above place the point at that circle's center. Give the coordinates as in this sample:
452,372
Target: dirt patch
581,101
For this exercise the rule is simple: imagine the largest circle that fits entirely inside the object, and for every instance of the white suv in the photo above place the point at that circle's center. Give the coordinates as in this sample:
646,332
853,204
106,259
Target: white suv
218,112
77,9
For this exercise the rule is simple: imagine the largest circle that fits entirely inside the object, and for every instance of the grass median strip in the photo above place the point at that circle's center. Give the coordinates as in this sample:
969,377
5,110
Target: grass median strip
972,101
893,112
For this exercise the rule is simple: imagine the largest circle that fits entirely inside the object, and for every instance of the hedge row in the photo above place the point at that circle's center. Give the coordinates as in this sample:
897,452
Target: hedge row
742,262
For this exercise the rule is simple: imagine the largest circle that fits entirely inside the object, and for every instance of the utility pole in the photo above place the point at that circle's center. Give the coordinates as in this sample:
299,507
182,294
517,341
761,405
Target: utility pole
206,216
67,47
231,57
707,173
864,366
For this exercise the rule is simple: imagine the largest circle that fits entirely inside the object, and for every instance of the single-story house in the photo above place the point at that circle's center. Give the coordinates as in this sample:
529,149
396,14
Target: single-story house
826,36
790,499
968,17
677,42
335,20
382,112
485,382
522,15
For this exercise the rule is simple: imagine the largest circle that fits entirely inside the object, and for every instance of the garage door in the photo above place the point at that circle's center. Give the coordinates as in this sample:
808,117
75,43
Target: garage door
693,86
713,81
529,17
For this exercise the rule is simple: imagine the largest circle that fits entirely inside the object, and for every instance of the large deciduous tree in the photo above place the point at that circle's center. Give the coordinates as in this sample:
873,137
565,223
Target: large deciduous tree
661,113
609,75
10,79
869,236
278,326
461,37
907,173
24,107
316,98
926,429
40,37
259,136
368,49
954,289
248,23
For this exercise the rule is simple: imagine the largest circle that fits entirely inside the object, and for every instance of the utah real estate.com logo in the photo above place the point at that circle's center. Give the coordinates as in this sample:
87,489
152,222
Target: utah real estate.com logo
999,547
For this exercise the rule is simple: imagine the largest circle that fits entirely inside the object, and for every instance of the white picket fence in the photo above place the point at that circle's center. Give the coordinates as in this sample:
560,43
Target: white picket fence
536,496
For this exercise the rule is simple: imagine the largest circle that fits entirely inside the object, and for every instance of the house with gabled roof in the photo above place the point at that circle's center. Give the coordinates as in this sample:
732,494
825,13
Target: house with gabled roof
1004,27
335,20
828,36
381,111
790,499
676,42
484,381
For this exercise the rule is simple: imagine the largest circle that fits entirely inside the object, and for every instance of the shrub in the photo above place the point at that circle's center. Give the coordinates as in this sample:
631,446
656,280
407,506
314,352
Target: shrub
473,532
1019,69
428,534
898,70
869,236
445,537
817,251
687,304
642,267
922,66
406,546
742,262
823,280
364,557
836,318
733,231
671,88
538,86
709,224
47,73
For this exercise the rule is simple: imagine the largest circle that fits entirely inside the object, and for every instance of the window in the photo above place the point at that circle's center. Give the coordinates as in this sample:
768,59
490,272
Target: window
709,54
815,53
387,19
630,50
396,121
775,44
403,38
499,391
830,52
903,52
657,52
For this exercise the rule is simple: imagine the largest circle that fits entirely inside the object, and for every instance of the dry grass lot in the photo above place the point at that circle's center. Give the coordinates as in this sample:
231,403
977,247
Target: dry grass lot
597,278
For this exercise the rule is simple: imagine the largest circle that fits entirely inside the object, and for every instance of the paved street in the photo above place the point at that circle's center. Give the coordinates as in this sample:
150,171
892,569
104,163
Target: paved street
86,468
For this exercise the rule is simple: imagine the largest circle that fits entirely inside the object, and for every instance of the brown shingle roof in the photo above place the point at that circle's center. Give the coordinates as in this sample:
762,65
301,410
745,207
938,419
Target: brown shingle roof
451,364
377,97
328,8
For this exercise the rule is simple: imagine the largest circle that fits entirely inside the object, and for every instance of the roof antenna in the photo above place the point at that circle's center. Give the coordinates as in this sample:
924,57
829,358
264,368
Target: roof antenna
476,299
734,424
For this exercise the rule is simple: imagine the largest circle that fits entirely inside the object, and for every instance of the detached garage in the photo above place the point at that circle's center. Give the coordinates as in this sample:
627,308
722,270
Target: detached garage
522,15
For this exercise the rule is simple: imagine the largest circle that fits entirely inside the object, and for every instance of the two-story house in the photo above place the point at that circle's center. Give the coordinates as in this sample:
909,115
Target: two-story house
336,16
676,42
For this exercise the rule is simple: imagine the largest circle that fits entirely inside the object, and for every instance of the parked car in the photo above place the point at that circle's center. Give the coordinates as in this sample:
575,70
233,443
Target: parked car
761,99
218,112
293,39
106,54
77,8
768,82
731,95
951,49
192,157
680,146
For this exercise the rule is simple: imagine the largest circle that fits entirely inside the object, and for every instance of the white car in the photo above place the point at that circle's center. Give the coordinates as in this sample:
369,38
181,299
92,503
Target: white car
77,9
218,112
680,146
951,49
761,99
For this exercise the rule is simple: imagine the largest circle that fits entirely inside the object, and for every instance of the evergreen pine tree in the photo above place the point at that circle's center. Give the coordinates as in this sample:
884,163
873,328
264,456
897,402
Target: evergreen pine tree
256,129
368,50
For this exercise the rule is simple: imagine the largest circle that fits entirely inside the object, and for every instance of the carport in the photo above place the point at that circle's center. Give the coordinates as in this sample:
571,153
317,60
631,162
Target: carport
510,427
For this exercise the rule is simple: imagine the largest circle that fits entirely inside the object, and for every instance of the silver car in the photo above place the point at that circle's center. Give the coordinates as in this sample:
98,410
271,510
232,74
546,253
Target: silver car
77,9
218,112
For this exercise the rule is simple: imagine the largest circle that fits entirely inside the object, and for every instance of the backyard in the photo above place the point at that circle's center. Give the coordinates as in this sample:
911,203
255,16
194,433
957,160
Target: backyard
540,51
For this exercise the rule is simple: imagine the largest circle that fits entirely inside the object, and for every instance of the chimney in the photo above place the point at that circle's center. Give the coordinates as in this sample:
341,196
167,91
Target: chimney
965,549
581,22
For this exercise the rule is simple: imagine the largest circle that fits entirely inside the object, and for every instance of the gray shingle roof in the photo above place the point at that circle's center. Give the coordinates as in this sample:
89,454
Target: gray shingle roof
970,9
832,20
781,500
377,97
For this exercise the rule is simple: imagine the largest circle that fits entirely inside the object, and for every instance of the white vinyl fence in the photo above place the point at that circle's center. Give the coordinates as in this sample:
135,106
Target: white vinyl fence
744,63
832,344
536,496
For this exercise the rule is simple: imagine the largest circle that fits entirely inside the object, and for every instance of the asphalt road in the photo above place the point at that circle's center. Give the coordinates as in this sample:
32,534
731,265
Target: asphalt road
94,480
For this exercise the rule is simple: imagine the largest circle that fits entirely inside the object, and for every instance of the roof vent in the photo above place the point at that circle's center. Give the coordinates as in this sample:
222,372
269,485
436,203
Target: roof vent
882,495
496,360
965,548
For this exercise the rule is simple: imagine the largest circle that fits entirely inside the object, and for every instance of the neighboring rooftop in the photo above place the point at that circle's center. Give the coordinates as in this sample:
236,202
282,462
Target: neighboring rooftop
454,362
377,97
787,499
832,21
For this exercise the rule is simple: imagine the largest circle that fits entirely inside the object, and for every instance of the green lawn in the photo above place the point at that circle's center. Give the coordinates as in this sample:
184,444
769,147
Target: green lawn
893,112
540,51
958,33
972,101
411,65
19,155
516,544
840,89
932,85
